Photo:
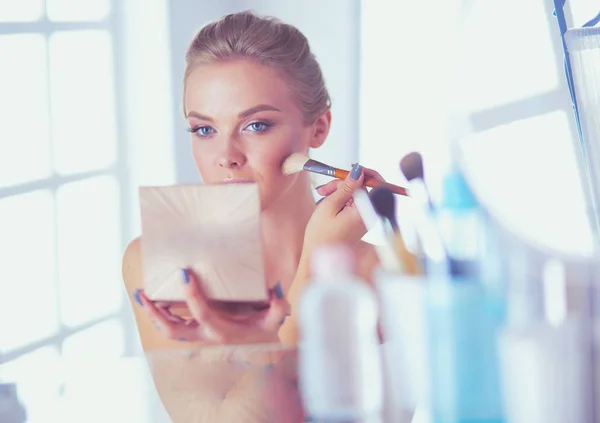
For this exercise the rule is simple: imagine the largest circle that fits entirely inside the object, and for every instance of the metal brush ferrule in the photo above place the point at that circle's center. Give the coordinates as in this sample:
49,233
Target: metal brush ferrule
320,168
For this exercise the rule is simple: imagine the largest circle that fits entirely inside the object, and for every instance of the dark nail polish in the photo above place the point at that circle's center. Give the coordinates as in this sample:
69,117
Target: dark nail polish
136,297
278,291
186,276
319,202
320,186
356,171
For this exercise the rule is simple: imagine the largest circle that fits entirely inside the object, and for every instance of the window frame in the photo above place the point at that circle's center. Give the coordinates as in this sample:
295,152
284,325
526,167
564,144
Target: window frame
114,25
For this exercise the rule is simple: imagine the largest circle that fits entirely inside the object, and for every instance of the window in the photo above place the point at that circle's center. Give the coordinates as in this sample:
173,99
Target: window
522,150
63,191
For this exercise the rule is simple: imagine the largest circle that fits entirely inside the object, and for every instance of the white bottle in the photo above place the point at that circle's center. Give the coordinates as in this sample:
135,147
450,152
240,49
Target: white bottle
544,356
340,360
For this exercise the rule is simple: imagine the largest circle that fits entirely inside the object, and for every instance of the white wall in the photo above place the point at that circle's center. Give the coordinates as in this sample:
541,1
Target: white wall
332,28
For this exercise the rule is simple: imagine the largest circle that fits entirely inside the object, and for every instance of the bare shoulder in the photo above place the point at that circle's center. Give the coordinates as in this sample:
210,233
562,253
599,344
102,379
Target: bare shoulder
131,266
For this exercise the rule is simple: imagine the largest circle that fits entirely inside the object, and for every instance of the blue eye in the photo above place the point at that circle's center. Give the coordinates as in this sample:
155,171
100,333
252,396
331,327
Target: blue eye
202,131
259,126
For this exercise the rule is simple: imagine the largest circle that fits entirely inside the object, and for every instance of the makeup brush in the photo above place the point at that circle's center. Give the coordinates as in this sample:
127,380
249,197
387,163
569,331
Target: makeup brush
411,166
385,252
384,203
298,162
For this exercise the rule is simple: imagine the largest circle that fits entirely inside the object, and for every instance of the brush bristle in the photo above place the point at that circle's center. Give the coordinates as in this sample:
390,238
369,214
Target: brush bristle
384,203
411,166
294,163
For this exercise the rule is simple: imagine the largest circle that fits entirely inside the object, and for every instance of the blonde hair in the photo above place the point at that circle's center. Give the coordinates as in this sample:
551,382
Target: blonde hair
267,41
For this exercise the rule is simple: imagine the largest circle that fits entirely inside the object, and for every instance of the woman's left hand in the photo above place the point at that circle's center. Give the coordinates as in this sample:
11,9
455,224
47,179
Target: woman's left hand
212,325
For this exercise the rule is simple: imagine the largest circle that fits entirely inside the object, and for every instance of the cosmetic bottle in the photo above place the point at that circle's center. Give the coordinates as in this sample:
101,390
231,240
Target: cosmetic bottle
545,375
462,318
340,360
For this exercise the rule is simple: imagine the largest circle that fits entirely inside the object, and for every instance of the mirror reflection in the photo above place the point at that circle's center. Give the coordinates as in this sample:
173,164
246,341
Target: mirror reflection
232,211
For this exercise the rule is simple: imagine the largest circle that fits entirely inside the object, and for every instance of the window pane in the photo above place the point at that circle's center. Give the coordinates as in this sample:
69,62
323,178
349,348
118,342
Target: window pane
77,10
89,249
82,96
38,383
24,131
27,274
508,56
528,173
21,10
105,340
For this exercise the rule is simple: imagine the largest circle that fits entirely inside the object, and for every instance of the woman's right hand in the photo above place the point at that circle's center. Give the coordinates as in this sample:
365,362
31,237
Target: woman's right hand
336,219
210,325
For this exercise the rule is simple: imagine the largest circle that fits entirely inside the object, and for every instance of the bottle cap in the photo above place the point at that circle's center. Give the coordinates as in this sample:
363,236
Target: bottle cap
457,194
331,262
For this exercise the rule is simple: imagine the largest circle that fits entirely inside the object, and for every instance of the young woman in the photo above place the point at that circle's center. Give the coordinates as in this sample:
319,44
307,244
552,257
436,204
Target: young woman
253,94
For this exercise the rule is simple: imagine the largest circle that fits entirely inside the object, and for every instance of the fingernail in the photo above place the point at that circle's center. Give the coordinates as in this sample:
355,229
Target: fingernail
320,186
282,321
136,297
186,276
356,171
278,291
182,340
319,202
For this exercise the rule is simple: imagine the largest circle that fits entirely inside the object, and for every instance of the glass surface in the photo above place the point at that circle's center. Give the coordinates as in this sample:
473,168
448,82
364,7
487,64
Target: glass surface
250,384
24,112
89,249
28,299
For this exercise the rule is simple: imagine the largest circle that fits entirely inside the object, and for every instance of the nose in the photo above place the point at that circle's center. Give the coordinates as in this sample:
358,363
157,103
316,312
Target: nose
232,156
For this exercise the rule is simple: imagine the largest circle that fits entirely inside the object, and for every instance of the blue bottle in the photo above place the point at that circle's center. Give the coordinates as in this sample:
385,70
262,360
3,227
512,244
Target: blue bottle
463,318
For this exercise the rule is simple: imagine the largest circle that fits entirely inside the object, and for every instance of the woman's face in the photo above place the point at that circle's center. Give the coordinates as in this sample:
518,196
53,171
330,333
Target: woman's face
244,122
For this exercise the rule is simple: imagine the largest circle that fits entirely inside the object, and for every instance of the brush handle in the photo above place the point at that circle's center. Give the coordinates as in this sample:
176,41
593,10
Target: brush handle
372,182
410,264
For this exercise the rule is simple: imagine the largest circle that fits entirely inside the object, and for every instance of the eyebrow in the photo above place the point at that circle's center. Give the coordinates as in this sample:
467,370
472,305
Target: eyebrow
256,109
244,114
